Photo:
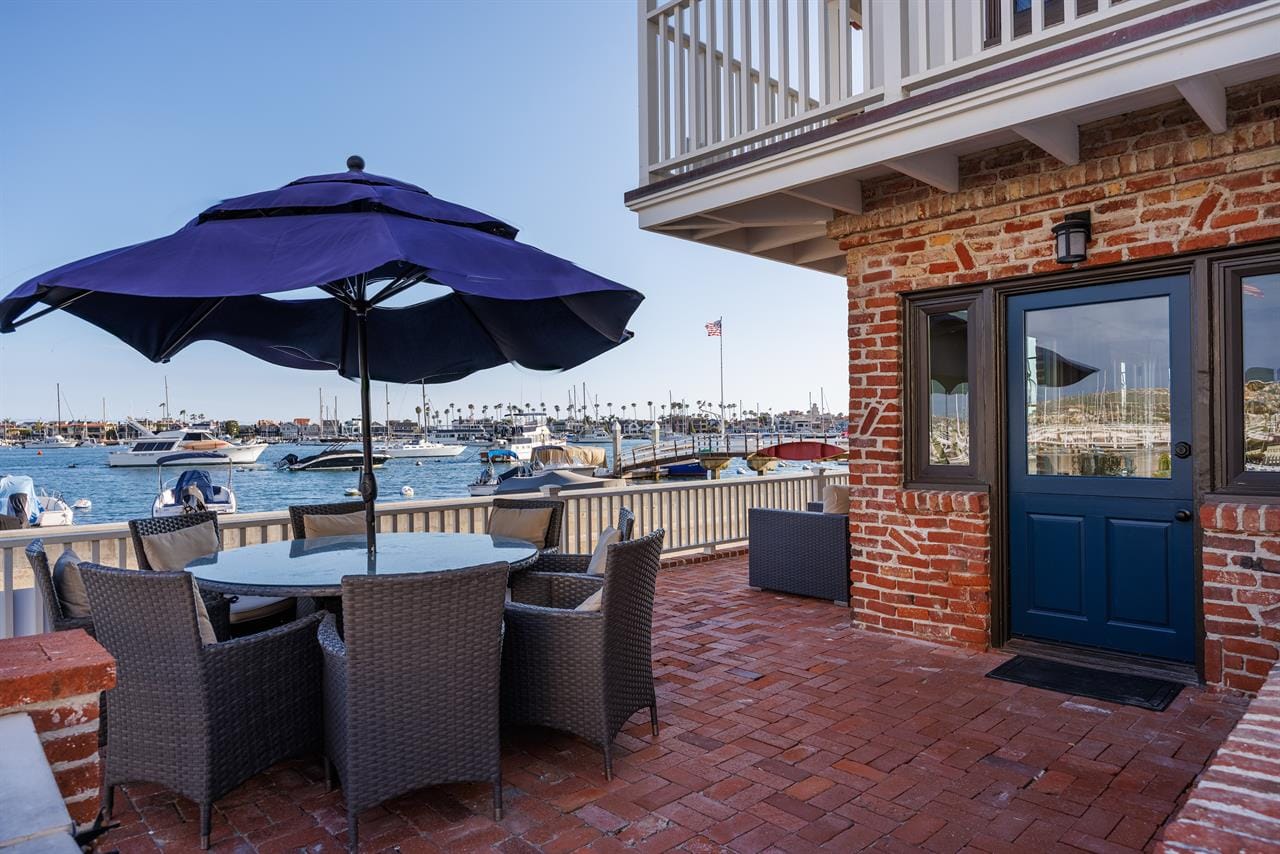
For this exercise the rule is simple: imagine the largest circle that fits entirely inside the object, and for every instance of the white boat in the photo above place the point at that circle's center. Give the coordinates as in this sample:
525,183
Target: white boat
44,443
423,448
24,508
598,436
528,437
193,490
149,449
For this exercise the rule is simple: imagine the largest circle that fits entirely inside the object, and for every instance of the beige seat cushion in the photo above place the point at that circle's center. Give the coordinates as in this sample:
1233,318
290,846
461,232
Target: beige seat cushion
203,623
523,523
333,525
600,557
173,551
249,608
592,602
70,587
835,499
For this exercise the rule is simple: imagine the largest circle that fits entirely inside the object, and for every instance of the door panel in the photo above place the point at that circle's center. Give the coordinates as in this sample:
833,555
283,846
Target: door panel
1099,398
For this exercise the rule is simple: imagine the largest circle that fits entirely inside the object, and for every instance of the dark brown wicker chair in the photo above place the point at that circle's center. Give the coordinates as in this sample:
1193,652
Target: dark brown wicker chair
524,585
298,513
197,719
218,605
585,672
58,618
411,689
554,525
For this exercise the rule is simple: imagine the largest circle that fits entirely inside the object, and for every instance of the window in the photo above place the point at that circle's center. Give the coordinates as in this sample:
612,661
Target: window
1250,292
944,394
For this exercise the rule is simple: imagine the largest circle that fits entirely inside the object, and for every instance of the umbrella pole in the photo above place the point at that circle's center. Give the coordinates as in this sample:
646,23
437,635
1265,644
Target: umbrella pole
368,483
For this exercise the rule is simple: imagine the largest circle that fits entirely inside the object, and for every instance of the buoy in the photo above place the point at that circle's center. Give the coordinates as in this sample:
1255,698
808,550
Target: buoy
350,490
39,453
83,504
406,490
418,463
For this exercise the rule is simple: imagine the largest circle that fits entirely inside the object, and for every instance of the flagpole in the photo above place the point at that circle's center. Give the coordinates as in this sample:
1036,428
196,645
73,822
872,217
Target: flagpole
724,438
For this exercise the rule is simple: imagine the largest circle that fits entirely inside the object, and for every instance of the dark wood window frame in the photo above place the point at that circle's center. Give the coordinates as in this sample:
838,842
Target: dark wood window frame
920,473
1226,277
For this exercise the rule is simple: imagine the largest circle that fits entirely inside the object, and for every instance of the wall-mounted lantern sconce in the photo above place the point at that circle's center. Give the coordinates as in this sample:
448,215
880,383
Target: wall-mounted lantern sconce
1071,237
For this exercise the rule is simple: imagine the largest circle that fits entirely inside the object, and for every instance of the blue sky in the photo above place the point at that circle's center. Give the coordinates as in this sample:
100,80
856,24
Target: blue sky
123,120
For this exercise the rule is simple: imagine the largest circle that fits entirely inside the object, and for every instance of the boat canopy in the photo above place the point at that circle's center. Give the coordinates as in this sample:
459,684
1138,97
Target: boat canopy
22,488
193,457
569,455
562,479
502,453
198,479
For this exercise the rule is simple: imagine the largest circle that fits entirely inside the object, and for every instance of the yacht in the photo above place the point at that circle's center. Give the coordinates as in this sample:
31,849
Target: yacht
527,437
421,448
44,443
598,436
148,450
333,458
193,490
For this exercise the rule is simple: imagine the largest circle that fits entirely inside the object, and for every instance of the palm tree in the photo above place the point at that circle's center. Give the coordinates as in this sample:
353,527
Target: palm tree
633,411
557,412
472,409
650,405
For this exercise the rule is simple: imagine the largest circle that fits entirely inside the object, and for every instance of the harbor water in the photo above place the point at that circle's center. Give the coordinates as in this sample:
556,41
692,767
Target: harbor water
119,494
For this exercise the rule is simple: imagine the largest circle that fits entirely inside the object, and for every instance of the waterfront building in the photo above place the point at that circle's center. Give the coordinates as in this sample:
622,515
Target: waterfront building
1058,225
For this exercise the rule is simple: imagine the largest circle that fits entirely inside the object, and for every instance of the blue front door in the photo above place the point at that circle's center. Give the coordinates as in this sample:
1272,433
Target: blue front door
1100,467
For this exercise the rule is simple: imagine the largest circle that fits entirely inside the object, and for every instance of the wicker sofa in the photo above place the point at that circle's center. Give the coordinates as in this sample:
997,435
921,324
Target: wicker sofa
801,552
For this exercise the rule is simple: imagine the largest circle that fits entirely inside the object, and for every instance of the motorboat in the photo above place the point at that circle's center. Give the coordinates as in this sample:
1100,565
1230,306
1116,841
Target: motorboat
527,437
598,436
423,448
586,461
333,458
499,457
147,450
45,443
532,478
22,507
193,490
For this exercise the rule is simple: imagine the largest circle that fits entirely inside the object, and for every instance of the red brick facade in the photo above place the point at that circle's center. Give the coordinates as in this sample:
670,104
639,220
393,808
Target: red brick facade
1158,183
56,678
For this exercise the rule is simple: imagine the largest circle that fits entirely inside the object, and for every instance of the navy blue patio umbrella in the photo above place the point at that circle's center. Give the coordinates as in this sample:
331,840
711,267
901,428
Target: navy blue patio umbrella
360,240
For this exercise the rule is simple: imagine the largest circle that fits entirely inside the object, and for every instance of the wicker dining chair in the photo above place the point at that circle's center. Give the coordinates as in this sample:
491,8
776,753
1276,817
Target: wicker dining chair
554,524
525,586
197,719
299,512
54,612
218,605
411,688
586,672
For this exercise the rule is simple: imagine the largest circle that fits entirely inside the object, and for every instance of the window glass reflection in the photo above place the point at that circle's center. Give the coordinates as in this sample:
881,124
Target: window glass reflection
949,389
1098,389
1260,322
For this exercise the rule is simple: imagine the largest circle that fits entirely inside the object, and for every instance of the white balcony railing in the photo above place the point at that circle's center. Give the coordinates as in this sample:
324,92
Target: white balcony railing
704,515
721,77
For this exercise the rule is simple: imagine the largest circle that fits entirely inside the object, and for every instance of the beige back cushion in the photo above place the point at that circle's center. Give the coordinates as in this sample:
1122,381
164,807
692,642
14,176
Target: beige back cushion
600,557
333,525
521,523
835,499
173,551
207,635
592,602
69,585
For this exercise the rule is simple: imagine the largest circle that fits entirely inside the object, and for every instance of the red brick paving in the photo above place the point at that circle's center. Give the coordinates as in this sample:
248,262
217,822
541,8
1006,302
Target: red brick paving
783,729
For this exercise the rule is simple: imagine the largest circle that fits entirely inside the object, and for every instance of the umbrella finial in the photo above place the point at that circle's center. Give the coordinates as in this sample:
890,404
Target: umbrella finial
355,163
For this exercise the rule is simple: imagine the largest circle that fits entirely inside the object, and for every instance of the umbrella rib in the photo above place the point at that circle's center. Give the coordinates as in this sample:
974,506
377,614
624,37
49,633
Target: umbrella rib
186,333
51,308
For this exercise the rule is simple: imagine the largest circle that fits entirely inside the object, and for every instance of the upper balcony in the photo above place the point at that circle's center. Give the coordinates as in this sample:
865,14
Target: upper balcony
760,118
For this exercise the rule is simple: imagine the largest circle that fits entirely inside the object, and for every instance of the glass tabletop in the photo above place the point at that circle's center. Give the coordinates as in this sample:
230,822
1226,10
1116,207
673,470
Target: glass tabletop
315,567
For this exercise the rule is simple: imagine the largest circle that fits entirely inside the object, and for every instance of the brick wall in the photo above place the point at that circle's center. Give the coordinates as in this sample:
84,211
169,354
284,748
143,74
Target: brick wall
1234,805
1157,182
56,679
1241,555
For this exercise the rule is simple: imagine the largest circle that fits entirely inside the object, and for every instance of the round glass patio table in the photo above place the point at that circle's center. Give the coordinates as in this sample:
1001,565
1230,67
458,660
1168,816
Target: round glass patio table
316,567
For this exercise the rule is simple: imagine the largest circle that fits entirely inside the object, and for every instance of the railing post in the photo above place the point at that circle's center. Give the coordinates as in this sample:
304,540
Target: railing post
891,35
819,484
648,48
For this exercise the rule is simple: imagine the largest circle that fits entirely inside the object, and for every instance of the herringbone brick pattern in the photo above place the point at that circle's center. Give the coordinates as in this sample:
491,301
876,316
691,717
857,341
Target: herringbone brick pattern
784,729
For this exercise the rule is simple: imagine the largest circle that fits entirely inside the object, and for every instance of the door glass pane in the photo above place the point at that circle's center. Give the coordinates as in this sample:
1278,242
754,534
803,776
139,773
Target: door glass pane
1260,319
949,389
1098,389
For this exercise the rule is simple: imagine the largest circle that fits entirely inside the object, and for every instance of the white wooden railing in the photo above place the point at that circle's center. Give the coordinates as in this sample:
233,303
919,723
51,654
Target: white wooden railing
721,77
705,515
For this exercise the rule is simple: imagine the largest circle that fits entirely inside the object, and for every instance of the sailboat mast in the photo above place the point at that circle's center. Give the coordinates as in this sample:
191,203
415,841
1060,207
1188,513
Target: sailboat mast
58,390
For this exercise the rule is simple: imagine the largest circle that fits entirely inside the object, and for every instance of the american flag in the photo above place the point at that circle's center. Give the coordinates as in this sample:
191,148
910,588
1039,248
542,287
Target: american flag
1251,290
713,329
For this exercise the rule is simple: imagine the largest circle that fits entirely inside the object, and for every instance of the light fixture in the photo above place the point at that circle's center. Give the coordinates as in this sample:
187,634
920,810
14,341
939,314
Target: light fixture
1071,237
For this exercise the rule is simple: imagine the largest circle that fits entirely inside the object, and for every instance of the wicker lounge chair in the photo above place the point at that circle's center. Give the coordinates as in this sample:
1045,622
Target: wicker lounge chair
411,689
198,719
299,512
554,525
58,618
531,587
802,552
585,672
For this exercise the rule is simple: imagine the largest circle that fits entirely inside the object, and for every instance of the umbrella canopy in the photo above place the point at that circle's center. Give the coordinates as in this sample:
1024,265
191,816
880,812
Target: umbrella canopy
949,355
361,239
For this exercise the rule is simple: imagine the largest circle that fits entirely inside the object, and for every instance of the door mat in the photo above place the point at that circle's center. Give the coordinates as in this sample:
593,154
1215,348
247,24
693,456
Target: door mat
1123,688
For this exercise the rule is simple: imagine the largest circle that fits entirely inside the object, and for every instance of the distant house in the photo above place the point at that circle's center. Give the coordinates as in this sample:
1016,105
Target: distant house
1058,228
